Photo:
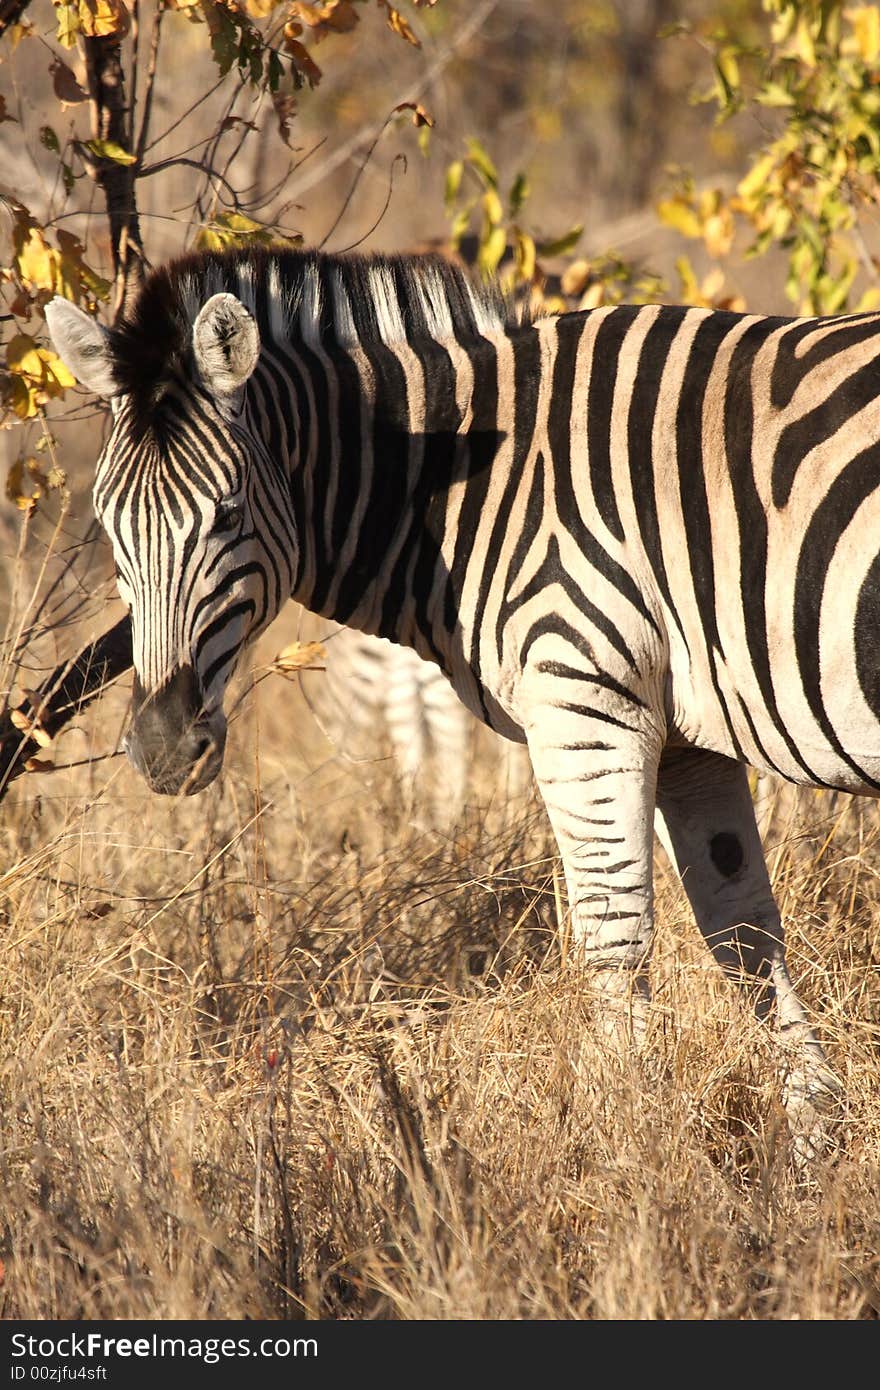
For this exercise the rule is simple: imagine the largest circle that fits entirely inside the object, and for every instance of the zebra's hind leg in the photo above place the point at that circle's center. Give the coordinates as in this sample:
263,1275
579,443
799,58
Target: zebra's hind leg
597,772
706,822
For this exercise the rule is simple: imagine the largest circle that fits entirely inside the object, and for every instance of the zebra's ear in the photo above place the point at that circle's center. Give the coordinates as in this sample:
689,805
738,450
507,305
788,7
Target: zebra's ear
226,344
83,346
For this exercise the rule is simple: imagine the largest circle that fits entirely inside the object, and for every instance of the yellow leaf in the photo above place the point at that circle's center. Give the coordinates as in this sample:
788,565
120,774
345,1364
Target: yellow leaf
208,240
757,178
718,233
54,371
525,256
593,297
22,356
802,44
109,149
297,656
865,20
22,399
17,481
68,24
689,288
492,207
103,18
575,278
678,212
331,16
397,22
36,261
492,248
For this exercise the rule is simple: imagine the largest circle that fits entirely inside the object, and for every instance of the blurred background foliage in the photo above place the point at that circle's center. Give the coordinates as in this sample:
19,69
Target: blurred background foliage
594,151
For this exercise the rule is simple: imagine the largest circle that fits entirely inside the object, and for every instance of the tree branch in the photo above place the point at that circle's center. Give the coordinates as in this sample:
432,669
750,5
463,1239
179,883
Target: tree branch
68,690
106,84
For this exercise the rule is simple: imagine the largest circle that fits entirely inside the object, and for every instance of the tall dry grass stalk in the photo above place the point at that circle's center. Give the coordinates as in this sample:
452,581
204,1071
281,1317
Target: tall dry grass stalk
278,1053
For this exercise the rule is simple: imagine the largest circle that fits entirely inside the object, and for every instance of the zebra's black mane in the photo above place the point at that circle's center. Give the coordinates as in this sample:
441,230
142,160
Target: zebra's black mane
294,295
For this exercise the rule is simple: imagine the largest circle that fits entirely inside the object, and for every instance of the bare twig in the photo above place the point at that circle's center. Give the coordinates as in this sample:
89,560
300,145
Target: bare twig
346,202
339,156
395,163
141,146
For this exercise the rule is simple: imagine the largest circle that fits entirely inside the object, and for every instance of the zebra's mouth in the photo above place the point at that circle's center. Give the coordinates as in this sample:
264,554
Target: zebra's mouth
181,768
175,743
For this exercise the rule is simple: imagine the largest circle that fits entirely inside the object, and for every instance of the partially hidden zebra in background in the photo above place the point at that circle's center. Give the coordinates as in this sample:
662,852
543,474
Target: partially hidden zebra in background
640,539
376,698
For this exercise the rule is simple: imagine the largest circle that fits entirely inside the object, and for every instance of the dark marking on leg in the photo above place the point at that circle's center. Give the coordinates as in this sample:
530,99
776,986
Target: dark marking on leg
727,853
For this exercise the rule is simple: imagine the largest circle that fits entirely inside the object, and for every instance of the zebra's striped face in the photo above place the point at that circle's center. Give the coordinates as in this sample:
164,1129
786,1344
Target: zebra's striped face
185,510
197,510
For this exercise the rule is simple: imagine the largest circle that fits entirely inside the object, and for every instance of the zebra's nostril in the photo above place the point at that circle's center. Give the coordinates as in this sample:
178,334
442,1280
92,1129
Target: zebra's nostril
203,744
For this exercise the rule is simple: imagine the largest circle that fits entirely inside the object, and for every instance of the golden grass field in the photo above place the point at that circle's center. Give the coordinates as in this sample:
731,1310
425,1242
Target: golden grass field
276,1052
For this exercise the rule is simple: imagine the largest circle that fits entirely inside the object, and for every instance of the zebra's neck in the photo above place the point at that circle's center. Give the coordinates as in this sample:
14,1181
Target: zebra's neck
385,447
392,452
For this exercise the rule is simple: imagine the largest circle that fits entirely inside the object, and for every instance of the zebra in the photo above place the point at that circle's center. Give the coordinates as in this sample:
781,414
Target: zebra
635,538
374,692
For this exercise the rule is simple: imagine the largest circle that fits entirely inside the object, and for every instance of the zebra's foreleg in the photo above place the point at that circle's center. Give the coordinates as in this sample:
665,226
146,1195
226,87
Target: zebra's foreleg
597,772
706,822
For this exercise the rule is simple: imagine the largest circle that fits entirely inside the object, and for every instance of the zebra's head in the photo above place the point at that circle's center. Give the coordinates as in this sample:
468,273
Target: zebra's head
185,494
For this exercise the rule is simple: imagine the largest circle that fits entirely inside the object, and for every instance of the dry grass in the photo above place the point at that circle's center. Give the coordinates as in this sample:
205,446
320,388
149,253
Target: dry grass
281,1055
274,1052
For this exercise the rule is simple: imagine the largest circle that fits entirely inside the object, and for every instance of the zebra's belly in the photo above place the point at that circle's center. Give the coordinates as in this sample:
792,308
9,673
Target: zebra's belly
833,741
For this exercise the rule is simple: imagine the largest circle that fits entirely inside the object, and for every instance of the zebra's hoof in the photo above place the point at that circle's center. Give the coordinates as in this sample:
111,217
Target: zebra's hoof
815,1104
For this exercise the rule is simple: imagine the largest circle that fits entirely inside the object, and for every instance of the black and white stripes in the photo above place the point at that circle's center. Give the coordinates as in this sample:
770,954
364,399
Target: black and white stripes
639,539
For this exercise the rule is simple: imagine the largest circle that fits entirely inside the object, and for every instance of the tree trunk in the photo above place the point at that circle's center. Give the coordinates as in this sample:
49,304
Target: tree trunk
106,85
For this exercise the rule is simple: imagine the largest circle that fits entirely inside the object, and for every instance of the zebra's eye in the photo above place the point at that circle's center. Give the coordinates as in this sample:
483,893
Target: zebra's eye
227,518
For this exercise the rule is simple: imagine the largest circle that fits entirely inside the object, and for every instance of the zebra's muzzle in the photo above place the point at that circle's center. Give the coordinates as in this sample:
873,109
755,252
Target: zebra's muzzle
173,742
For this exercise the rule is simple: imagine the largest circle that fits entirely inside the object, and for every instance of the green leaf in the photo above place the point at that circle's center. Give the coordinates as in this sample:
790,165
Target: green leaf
562,245
727,71
453,182
519,192
223,35
774,94
460,224
108,149
478,157
48,139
